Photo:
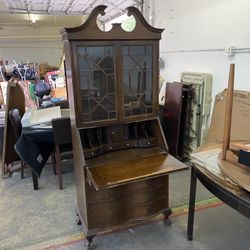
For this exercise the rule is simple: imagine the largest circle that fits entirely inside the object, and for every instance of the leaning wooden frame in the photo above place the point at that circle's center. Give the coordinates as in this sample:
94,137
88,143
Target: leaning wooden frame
230,157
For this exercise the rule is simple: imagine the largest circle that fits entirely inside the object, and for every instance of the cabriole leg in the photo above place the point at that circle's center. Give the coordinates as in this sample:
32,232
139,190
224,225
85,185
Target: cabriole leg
166,220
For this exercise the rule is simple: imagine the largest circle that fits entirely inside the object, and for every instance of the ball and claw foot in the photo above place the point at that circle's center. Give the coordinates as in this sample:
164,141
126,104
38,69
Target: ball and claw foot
78,220
167,222
90,245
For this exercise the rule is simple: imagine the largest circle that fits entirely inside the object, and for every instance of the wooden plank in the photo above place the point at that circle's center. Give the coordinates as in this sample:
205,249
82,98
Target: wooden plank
240,145
207,158
238,174
228,114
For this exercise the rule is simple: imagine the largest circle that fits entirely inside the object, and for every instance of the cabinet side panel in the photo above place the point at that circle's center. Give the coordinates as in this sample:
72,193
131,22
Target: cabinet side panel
79,161
79,164
70,80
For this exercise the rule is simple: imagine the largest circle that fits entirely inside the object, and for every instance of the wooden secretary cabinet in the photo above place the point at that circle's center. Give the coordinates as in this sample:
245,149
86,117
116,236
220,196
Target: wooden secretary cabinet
120,153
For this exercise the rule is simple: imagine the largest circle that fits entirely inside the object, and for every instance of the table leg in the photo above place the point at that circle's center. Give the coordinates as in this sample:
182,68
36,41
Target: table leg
191,203
35,181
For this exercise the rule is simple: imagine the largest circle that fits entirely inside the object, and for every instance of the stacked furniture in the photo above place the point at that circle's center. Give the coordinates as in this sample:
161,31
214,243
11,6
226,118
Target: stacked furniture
176,117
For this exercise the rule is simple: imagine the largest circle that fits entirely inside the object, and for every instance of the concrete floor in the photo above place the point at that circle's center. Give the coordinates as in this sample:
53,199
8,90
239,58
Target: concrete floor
45,219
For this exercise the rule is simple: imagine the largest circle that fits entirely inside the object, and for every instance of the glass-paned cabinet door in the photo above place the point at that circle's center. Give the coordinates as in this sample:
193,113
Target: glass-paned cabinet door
137,79
97,83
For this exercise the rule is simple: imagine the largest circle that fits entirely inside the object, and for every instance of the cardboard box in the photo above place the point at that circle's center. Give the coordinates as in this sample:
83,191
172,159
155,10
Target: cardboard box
59,92
240,129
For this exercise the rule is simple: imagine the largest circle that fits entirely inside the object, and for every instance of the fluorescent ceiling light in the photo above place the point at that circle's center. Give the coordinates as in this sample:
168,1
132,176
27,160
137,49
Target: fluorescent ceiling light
33,18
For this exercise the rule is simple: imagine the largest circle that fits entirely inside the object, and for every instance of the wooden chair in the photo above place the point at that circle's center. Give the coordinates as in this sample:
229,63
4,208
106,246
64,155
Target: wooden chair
15,121
63,144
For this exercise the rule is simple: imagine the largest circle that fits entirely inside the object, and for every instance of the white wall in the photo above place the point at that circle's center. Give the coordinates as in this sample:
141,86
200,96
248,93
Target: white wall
190,25
36,44
204,25
33,51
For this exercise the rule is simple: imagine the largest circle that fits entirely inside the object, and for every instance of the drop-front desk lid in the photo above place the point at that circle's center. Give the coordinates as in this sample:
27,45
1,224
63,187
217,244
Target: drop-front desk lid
124,166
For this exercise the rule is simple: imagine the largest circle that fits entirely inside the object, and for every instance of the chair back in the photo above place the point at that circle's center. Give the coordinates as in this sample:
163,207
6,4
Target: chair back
15,121
63,143
62,131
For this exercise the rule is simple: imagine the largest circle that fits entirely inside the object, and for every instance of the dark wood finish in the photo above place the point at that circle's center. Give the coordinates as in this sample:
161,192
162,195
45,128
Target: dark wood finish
58,166
238,199
113,173
120,154
14,99
91,32
35,181
121,204
191,208
175,116
81,37
172,115
15,121
63,144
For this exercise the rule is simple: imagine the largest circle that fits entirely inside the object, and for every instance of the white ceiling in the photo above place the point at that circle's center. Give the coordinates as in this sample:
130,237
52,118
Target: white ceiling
22,40
46,10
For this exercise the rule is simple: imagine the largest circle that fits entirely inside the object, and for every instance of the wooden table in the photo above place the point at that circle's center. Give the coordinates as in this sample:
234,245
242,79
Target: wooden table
239,199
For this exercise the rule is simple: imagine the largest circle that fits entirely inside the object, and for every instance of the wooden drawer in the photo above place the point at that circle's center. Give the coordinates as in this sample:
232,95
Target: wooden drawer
133,201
